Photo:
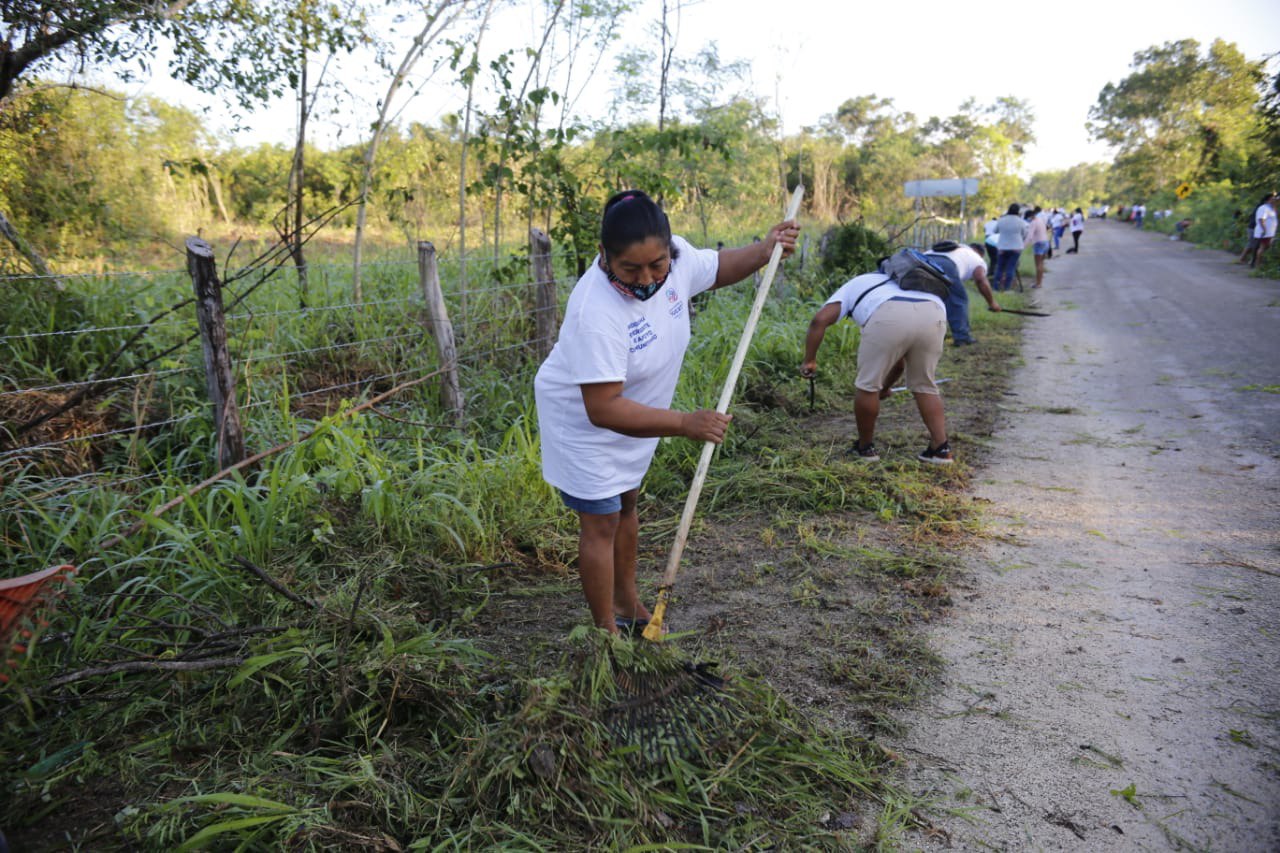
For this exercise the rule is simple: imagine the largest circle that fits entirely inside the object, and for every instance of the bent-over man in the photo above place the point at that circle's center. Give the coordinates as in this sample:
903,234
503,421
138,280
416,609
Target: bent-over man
961,264
902,331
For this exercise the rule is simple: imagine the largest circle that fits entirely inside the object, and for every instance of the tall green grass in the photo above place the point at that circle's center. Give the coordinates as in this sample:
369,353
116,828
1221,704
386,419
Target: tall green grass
366,709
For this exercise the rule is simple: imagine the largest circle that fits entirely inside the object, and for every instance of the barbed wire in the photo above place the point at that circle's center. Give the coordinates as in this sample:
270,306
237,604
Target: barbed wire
266,359
491,311
89,482
63,386
259,315
92,330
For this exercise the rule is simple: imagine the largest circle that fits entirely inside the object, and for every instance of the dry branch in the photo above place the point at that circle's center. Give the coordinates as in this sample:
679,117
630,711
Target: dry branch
146,666
275,584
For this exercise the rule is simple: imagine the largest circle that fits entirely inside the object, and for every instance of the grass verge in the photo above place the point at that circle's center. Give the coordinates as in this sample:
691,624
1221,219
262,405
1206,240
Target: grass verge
370,642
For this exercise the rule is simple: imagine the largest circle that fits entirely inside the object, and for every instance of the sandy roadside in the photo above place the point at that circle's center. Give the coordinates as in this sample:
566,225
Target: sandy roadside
1114,663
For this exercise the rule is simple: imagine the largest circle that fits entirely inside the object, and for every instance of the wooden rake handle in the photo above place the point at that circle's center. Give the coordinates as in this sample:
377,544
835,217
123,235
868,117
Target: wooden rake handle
704,462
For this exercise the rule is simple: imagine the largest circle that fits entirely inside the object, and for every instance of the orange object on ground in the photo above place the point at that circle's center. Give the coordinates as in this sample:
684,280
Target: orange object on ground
18,596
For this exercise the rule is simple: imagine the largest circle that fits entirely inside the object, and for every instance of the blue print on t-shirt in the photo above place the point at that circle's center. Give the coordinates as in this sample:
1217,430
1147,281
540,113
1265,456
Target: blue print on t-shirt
677,306
641,334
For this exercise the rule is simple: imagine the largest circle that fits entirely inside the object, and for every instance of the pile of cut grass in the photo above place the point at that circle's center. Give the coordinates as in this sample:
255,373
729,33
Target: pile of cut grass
178,699
386,738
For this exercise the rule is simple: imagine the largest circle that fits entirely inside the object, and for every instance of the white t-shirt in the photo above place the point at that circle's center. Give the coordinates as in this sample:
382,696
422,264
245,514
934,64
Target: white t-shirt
1057,220
609,337
852,291
1077,222
1265,219
966,261
990,229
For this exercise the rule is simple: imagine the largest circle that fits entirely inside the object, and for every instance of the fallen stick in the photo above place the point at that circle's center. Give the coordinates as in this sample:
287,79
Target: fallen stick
147,666
896,388
274,584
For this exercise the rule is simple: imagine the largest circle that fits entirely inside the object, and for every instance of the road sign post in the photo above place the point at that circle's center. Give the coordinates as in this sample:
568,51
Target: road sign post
943,188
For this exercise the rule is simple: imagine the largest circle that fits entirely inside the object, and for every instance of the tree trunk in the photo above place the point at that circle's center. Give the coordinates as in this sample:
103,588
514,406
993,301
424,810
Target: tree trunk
473,70
215,189
25,249
513,120
415,52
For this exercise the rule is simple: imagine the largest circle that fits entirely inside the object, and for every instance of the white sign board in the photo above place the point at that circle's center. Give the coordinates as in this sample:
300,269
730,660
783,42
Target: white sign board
943,187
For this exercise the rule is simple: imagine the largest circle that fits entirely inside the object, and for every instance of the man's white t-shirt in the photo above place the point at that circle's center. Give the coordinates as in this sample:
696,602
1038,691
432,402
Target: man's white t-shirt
966,261
609,337
1077,222
871,290
1265,219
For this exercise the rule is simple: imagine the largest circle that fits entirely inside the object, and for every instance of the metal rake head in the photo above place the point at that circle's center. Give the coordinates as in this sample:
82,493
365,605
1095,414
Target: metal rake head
679,708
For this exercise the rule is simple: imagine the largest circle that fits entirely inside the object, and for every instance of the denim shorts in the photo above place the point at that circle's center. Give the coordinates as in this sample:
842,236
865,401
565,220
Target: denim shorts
602,506
1040,247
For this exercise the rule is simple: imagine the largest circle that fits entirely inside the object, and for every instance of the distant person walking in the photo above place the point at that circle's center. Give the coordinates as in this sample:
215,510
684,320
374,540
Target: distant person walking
1038,240
1139,211
1077,228
1011,235
1058,222
1262,230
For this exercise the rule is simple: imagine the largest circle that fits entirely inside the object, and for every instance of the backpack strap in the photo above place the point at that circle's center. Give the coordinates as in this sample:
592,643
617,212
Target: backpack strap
863,295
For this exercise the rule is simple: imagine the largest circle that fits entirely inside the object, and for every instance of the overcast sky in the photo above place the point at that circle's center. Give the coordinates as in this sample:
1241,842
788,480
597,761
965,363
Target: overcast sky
808,56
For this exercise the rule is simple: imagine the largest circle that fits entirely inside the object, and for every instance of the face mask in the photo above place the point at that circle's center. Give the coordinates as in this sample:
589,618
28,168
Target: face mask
643,292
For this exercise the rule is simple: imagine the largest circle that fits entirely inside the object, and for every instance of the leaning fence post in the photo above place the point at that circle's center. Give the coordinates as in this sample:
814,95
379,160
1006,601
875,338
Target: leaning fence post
439,327
219,376
544,291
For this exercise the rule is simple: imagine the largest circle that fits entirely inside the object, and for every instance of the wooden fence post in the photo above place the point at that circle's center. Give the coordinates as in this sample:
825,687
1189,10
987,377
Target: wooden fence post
219,377
544,291
439,327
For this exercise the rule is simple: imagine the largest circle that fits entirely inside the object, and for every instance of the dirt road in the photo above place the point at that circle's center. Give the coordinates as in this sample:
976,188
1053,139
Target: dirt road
1114,666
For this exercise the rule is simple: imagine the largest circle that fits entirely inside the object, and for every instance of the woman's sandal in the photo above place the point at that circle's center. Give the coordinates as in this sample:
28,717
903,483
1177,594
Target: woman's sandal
630,627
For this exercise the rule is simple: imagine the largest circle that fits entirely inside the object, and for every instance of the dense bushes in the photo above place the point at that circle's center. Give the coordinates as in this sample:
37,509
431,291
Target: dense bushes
851,249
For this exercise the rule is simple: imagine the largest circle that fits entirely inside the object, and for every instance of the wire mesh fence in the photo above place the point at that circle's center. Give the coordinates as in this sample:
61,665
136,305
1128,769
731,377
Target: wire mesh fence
102,380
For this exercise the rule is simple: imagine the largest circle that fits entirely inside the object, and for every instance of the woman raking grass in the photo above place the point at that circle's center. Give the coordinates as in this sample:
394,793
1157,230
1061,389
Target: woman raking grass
604,393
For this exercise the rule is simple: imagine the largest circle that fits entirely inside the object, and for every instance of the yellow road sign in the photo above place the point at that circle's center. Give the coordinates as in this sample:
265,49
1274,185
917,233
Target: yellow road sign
1183,190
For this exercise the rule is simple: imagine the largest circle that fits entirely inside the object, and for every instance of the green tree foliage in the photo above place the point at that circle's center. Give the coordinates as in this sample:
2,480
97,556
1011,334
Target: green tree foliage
1180,116
218,45
1266,172
879,147
1082,185
416,180
883,149
83,169
852,249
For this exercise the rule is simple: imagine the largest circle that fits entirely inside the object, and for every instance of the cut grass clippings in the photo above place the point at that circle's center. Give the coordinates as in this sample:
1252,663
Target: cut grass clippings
416,690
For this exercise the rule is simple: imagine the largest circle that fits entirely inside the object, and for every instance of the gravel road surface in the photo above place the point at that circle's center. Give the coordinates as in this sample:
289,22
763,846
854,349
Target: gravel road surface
1113,677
